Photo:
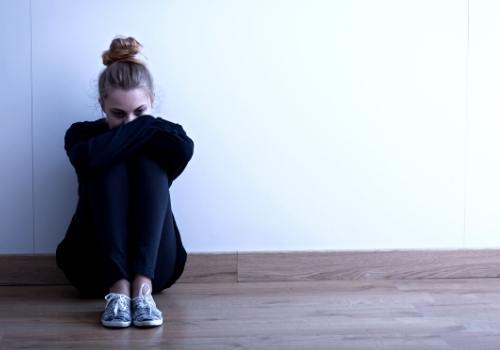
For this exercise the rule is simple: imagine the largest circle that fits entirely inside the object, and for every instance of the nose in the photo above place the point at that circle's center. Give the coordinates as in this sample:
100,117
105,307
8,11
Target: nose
129,118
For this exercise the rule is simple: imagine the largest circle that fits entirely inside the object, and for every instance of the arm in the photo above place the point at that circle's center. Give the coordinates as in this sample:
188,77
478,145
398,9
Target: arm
170,147
88,153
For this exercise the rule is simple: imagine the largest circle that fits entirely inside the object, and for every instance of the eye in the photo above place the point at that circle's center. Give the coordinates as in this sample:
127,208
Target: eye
118,114
140,111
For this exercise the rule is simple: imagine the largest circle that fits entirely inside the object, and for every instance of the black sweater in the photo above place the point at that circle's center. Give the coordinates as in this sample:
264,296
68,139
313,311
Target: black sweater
92,146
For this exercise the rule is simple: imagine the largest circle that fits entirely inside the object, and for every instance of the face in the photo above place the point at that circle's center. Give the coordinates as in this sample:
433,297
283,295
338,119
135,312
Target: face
123,106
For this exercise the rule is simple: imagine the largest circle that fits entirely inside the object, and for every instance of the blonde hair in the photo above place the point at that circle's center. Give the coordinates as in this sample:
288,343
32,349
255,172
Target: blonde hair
123,70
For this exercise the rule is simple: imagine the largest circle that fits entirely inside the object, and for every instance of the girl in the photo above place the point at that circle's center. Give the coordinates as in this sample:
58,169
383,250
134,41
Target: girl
123,242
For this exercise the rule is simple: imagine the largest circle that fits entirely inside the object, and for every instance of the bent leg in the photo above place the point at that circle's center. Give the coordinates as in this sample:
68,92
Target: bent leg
154,252
108,199
168,268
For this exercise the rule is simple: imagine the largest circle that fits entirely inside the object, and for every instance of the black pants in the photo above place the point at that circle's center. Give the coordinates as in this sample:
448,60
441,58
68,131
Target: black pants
135,231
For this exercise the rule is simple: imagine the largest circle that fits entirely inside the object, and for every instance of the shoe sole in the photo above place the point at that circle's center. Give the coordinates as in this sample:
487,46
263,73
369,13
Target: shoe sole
115,324
152,323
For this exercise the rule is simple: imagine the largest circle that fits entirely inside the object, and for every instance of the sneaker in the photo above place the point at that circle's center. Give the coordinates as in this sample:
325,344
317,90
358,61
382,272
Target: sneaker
117,311
144,310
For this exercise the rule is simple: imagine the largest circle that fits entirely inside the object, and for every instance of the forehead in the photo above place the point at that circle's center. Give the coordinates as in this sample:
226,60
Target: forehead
127,99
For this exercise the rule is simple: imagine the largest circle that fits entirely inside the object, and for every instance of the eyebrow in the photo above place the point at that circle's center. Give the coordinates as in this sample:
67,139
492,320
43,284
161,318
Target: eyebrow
119,110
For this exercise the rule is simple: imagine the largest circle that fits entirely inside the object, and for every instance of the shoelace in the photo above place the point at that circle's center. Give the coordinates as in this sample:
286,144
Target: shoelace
121,302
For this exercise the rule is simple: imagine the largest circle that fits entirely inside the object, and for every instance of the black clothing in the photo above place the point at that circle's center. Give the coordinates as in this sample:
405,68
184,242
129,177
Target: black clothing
123,223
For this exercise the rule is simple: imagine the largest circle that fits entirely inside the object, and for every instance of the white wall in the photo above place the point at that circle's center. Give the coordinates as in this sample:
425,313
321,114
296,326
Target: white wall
16,174
483,127
317,124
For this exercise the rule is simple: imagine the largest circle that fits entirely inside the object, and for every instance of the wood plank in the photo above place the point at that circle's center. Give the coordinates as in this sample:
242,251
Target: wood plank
353,265
210,267
33,269
289,266
41,269
340,314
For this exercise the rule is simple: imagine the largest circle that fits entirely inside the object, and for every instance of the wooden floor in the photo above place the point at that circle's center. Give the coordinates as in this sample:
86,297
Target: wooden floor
378,314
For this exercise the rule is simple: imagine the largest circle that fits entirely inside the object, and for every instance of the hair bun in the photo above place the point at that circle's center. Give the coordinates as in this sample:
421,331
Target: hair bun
122,49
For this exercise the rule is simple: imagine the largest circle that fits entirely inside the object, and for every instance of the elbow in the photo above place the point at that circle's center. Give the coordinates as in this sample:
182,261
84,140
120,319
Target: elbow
184,155
188,150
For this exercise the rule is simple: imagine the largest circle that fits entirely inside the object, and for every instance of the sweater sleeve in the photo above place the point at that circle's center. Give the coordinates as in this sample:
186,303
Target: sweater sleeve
89,153
170,147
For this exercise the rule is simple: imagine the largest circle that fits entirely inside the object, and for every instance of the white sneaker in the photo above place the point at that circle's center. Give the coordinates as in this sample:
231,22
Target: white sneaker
144,310
117,311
